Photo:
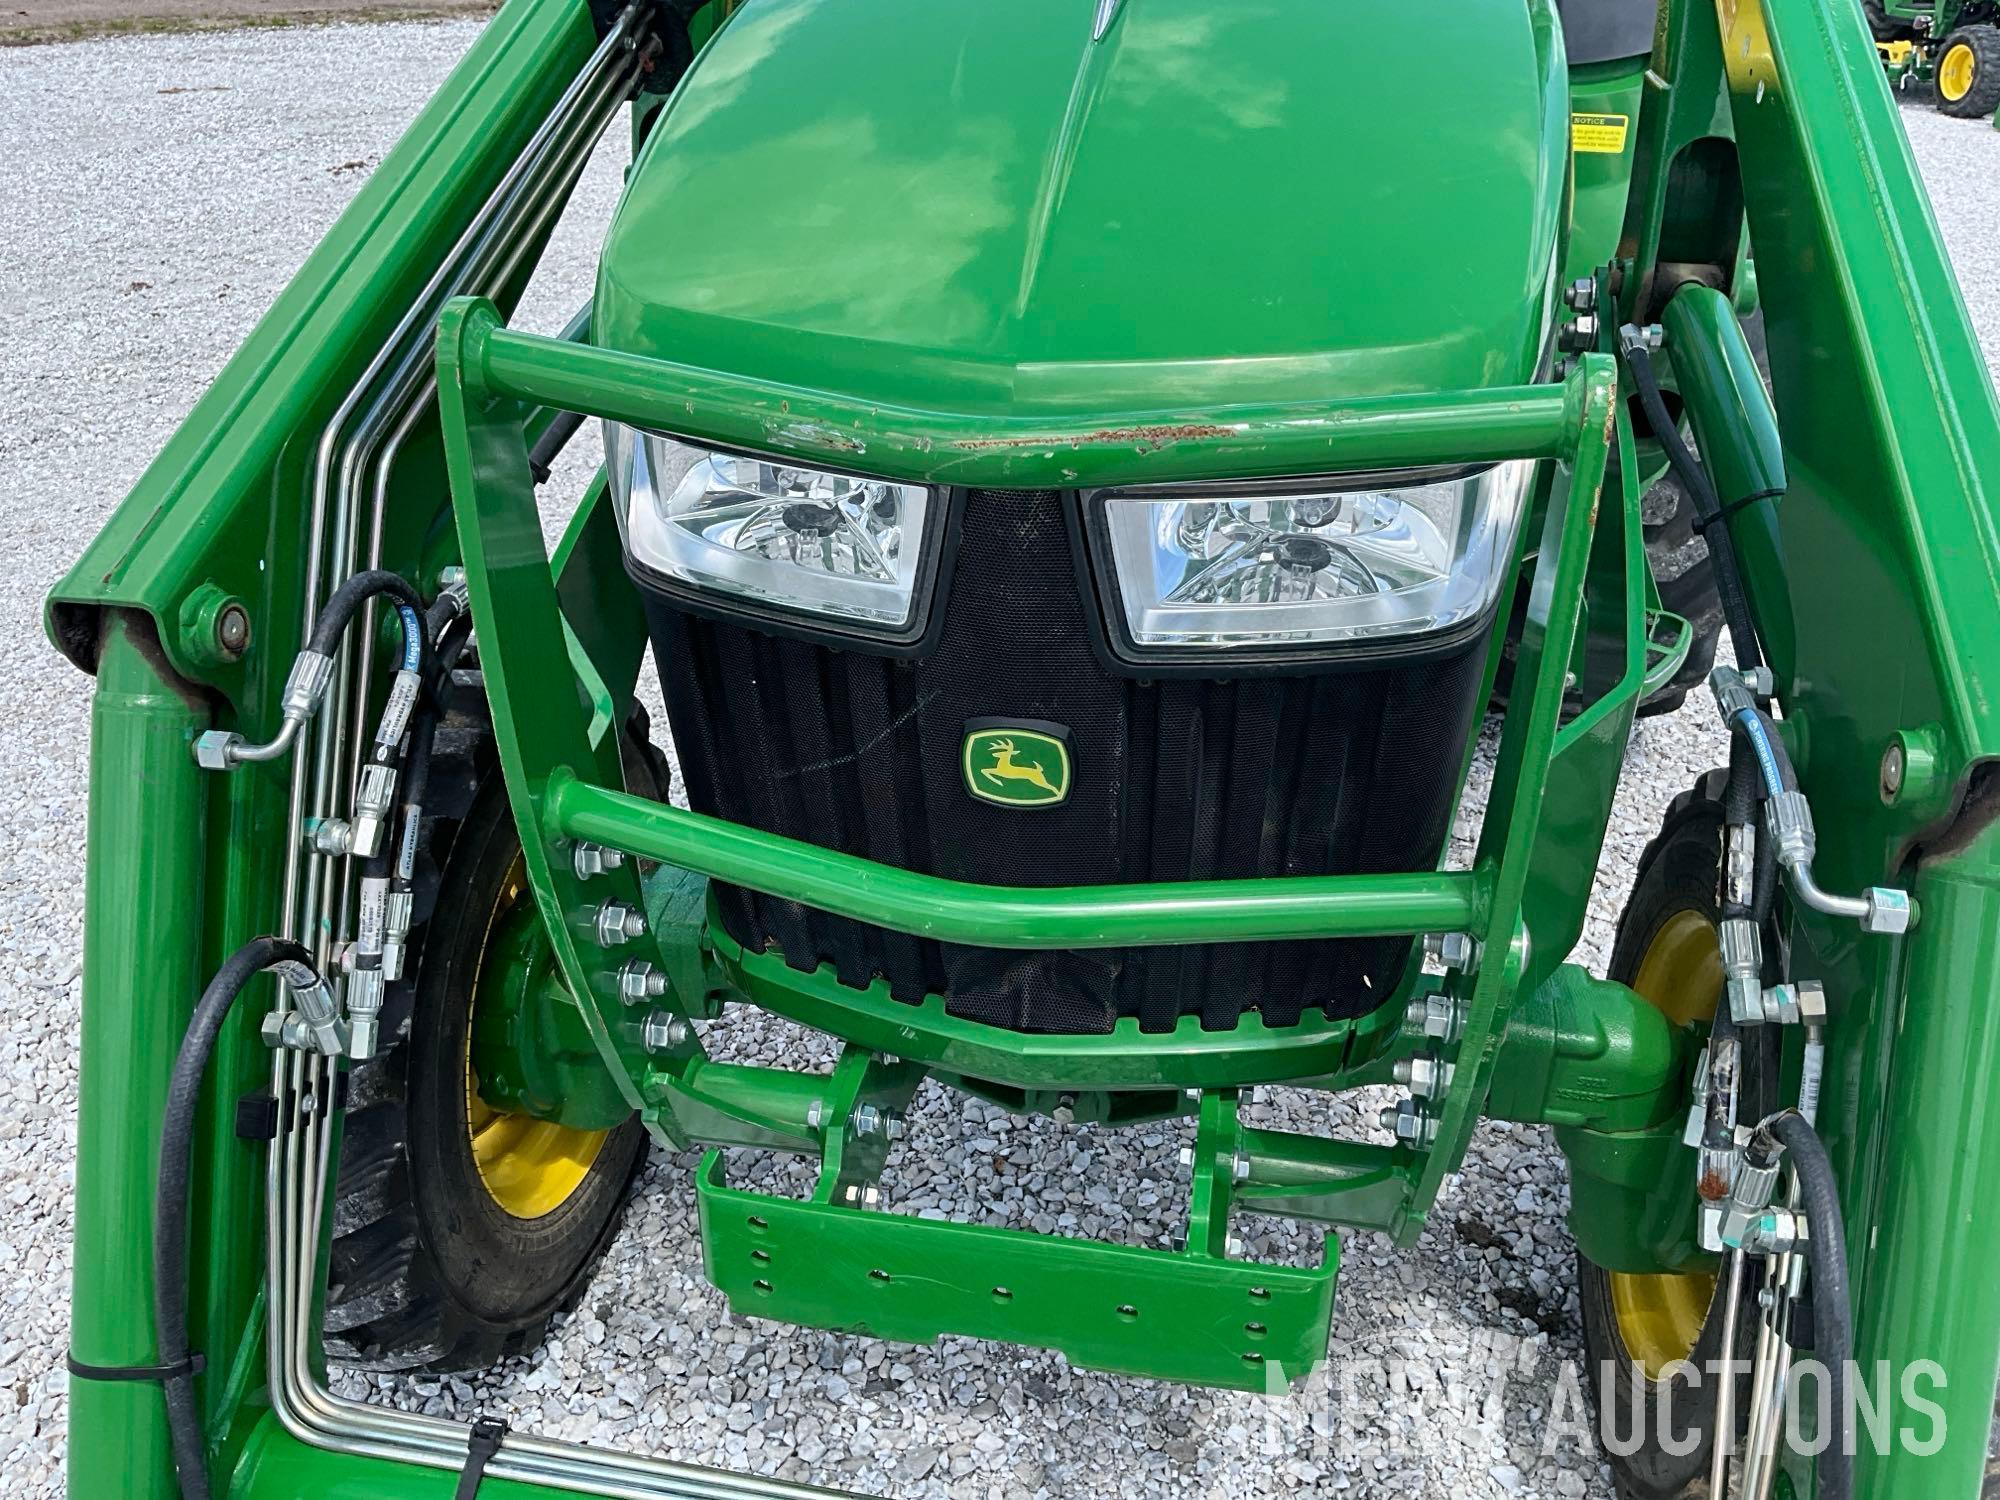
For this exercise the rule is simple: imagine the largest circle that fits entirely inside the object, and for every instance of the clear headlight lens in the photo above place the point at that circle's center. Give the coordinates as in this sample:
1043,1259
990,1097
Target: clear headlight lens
1303,566
770,533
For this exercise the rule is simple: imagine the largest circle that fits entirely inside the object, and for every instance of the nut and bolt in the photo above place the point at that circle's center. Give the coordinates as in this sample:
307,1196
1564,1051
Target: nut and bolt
594,859
1065,1111
1454,950
660,1032
866,1119
1239,1169
1580,335
639,981
1581,295
1187,1156
1426,1077
1410,1123
871,1196
617,923
1232,1247
1438,1016
815,1114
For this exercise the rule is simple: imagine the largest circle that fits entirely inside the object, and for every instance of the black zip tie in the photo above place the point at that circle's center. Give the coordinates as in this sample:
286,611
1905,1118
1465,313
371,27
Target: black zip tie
194,1364
487,1435
1701,527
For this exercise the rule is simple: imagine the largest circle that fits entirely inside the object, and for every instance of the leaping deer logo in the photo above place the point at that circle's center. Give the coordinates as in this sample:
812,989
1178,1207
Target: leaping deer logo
1005,769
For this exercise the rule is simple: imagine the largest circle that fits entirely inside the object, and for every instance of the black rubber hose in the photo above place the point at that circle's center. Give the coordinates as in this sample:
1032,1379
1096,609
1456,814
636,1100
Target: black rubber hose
1833,1317
351,595
549,446
170,1207
1708,509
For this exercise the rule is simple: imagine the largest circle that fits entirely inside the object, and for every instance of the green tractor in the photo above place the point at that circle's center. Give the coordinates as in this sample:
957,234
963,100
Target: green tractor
1079,480
1953,46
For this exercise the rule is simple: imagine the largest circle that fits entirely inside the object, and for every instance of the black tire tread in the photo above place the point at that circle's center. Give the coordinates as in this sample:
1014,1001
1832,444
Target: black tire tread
388,1306
1983,98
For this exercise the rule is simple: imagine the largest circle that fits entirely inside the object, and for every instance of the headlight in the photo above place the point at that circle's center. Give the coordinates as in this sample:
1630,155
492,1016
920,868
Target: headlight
853,552
1288,567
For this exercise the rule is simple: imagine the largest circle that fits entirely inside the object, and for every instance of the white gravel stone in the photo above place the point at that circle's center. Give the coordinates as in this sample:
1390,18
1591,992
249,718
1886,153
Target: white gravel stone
164,189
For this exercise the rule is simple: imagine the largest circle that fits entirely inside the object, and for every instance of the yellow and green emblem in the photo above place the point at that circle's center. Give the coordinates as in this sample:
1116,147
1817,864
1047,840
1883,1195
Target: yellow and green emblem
1015,763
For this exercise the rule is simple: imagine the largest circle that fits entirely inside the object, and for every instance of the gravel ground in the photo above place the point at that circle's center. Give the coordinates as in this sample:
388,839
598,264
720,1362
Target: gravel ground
118,317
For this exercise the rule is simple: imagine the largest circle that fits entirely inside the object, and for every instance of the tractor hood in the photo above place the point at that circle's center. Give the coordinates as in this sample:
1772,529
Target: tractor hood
983,209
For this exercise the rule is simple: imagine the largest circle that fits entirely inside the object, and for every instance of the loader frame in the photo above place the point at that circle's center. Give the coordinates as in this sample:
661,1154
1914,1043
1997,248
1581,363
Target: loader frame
320,449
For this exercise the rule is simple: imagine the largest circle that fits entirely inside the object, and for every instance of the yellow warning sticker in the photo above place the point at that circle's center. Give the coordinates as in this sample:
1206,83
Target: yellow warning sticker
1601,134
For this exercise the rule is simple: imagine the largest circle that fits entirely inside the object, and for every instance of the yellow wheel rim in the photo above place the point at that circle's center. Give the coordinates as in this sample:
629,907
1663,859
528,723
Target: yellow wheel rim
531,1167
1659,1318
1955,72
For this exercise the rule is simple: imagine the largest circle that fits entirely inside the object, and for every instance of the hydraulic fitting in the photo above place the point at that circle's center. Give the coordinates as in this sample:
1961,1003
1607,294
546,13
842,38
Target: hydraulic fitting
1788,821
1439,1016
313,1024
220,749
1425,1077
1739,864
333,837
616,923
1776,1231
364,1012
1755,1186
1743,969
590,859
639,981
395,933
373,804
1889,910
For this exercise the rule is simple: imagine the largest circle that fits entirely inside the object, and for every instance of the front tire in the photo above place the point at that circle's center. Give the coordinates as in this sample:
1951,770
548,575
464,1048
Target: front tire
460,1232
1636,1327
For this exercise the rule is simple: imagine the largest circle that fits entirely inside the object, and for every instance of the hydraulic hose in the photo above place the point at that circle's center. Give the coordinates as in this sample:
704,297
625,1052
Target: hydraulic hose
170,1208
549,446
1833,1317
1708,509
356,591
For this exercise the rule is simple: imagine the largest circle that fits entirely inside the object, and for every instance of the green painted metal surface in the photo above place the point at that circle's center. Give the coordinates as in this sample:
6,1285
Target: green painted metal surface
928,206
920,444
1107,1307
1601,178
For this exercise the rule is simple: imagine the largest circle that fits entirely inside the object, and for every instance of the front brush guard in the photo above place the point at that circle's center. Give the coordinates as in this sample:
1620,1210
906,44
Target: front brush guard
558,652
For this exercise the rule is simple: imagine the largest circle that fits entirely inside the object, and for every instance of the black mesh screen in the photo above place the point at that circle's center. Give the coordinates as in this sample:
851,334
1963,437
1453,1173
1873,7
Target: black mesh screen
1177,779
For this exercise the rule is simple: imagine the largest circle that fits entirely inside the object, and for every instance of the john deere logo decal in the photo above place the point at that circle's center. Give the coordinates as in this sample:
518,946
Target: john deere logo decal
1017,762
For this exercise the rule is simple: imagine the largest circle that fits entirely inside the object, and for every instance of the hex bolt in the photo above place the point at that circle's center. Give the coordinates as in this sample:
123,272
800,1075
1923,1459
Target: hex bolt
866,1119
661,1032
1239,1169
617,923
639,981
1187,1156
871,1196
1232,1247
1581,295
1425,1077
816,1114
1438,1016
893,1127
1065,1111
594,859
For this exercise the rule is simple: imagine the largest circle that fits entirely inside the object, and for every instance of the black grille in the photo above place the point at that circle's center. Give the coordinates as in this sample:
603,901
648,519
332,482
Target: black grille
1182,779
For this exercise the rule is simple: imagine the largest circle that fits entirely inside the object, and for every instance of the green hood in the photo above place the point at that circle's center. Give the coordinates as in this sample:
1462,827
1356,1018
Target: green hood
979,208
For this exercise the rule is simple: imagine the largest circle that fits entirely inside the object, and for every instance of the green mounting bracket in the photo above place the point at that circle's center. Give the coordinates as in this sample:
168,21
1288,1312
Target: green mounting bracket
835,1261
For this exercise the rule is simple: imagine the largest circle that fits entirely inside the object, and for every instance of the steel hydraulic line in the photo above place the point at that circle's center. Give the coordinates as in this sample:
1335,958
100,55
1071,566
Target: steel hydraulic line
292,1206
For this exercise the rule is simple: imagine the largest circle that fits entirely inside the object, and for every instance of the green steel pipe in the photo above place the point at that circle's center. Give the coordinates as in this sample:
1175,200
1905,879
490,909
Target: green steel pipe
1736,431
999,449
991,916
141,962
